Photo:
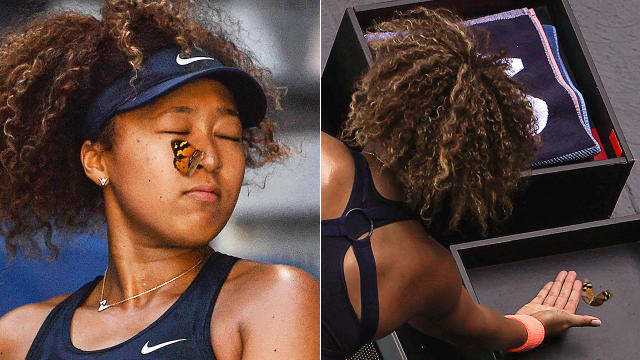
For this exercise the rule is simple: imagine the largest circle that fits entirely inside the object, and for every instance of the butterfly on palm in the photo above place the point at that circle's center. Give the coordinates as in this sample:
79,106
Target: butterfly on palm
589,297
186,157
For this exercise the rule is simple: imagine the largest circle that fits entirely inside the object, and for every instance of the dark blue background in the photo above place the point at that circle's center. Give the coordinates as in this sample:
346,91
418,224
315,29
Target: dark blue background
81,259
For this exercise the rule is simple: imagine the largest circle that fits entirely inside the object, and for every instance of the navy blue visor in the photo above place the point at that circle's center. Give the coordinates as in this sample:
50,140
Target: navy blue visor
166,70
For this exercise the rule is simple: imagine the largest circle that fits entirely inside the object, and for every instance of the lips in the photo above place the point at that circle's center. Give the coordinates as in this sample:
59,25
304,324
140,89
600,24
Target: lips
207,193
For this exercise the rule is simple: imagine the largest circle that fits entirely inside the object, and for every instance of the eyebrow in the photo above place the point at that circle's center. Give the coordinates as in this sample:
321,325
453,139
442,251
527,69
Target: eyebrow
188,110
177,109
230,111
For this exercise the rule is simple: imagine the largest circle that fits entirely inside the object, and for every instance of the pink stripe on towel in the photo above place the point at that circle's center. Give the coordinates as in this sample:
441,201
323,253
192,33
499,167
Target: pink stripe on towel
552,61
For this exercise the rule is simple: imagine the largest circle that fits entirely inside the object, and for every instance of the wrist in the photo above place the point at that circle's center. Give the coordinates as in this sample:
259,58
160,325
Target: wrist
535,332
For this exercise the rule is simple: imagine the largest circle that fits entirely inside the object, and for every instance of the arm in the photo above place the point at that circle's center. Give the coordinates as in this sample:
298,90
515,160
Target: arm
425,289
418,280
475,326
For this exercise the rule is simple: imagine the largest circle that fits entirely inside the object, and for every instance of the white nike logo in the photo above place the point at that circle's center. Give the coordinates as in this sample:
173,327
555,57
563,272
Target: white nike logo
147,349
182,61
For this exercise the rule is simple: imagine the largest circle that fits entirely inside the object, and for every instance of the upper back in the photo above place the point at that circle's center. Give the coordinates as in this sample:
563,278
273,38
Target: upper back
407,259
337,177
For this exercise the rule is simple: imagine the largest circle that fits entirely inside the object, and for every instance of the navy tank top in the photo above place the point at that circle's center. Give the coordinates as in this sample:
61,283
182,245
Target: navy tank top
342,333
182,332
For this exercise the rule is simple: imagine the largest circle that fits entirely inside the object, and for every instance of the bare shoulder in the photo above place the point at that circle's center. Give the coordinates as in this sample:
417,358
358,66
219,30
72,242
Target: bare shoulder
19,327
263,306
252,277
260,284
337,162
336,176
332,147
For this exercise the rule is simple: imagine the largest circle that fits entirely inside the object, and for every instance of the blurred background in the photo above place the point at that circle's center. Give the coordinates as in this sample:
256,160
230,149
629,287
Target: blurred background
277,219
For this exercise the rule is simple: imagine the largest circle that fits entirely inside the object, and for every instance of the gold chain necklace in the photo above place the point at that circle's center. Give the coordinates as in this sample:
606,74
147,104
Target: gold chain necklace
374,155
103,302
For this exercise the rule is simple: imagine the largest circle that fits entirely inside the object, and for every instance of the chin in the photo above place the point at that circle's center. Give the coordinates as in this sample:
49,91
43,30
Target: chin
196,236
190,240
196,229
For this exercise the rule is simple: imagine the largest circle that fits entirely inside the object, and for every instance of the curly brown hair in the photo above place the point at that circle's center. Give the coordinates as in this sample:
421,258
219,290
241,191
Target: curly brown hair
53,68
454,127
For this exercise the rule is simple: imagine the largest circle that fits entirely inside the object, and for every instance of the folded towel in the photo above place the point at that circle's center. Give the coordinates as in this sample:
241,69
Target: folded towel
563,123
564,135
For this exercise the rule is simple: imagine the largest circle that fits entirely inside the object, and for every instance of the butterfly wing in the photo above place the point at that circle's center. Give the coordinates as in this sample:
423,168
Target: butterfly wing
186,157
587,291
182,164
601,298
589,297
194,161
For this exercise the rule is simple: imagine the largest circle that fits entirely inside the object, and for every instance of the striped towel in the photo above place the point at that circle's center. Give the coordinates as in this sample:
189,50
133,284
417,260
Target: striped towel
563,123
562,117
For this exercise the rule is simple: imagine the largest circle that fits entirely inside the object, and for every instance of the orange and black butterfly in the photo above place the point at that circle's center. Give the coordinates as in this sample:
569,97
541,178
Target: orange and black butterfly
590,298
186,158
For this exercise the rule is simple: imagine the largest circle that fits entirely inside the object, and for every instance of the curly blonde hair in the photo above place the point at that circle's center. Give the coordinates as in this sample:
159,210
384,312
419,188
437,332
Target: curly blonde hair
455,128
52,69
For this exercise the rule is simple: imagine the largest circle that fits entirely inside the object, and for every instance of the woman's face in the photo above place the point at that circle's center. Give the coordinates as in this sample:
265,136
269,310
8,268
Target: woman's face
146,189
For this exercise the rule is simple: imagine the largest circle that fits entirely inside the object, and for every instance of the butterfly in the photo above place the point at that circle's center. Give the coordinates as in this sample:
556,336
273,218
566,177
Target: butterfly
589,298
186,158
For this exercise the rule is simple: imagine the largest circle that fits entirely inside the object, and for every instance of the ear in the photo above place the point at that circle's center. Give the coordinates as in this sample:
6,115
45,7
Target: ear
93,158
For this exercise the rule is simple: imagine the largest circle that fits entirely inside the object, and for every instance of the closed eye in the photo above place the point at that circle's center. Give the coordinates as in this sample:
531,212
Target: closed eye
177,132
232,138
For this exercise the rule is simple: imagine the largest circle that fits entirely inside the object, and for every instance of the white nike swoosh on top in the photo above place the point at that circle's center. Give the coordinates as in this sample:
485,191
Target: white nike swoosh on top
182,61
147,349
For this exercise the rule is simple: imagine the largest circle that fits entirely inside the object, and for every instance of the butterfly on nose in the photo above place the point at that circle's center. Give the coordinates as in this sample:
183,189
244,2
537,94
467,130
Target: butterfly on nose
186,157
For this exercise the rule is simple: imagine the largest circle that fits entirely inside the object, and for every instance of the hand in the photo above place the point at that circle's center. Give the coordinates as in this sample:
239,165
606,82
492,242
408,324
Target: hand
556,303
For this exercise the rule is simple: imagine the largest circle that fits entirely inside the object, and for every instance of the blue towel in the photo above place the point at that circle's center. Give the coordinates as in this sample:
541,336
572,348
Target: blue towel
550,32
535,62
565,137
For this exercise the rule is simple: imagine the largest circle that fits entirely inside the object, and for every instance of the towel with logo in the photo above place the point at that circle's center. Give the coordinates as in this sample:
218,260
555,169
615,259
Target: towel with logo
560,110
565,137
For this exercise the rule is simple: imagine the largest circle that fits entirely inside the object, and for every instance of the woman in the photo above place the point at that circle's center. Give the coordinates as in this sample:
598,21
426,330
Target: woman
444,129
165,113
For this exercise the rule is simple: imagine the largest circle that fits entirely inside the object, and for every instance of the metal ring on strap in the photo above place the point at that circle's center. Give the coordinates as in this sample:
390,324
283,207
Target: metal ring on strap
346,216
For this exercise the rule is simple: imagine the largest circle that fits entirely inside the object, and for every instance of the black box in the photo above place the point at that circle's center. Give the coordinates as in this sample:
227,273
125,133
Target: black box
554,196
507,272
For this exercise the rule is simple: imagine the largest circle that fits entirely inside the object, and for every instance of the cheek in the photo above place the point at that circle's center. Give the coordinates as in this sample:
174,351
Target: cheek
143,172
234,164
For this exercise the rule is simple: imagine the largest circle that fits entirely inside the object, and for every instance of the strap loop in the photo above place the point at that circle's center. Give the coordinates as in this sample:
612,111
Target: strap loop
355,236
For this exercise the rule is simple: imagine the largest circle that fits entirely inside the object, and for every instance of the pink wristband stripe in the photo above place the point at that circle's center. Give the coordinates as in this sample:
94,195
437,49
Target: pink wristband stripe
535,332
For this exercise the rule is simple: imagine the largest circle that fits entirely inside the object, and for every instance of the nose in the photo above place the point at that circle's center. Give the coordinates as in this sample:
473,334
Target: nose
210,161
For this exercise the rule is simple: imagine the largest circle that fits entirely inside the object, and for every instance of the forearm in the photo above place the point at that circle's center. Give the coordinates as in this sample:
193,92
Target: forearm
473,326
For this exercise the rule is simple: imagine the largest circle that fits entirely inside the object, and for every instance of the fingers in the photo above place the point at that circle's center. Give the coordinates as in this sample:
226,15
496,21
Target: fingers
543,293
574,297
555,289
565,291
557,321
583,320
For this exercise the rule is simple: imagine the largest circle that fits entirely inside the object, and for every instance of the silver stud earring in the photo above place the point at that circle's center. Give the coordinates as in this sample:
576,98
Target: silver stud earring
103,181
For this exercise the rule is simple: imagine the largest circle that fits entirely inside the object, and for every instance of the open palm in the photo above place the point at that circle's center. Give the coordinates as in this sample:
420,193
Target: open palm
556,303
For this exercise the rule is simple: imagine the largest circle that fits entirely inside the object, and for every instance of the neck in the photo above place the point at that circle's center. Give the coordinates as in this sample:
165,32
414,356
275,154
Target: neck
140,259
129,274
